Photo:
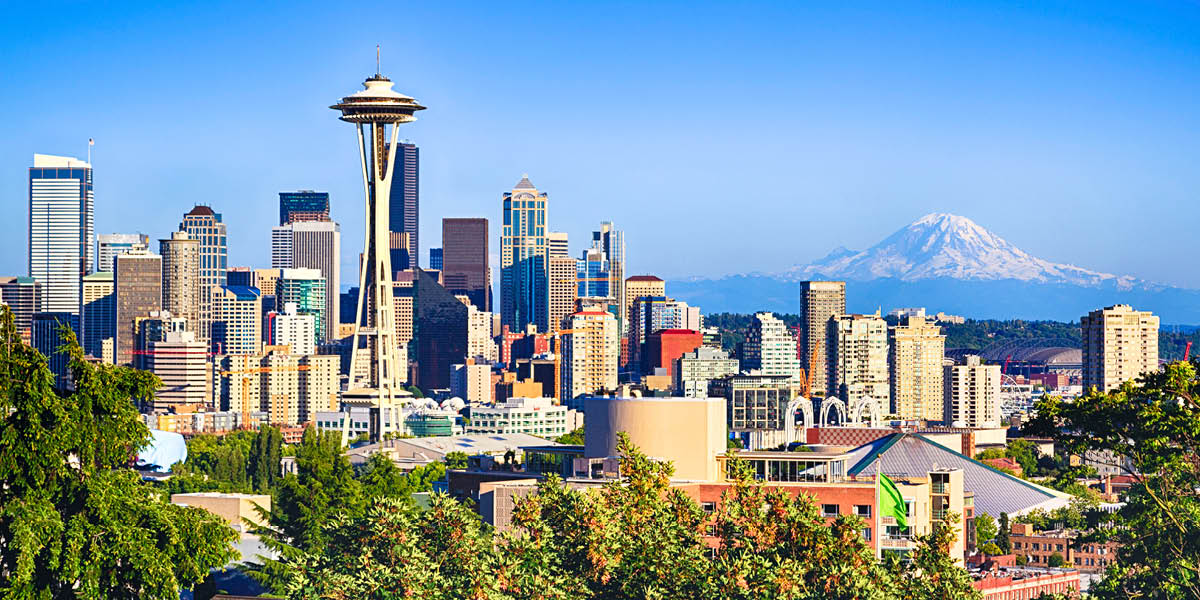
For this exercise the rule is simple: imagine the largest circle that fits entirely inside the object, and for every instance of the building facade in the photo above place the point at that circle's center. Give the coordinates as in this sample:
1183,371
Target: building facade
858,361
236,320
317,245
524,288
972,397
819,302
472,382
181,361
694,370
639,286
137,285
99,319
916,350
205,226
61,230
665,346
304,205
109,245
46,332
181,279
1119,344
296,331
563,289
769,348
588,355
404,206
534,416
464,262
23,297
306,289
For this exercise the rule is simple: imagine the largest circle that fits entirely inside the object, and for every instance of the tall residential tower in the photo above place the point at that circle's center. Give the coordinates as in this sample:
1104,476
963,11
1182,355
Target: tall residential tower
524,289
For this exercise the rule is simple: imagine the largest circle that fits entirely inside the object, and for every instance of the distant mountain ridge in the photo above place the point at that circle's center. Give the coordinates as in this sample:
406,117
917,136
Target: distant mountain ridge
946,262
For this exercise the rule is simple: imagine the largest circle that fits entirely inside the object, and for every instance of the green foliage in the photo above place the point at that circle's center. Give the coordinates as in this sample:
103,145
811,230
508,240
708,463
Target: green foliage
979,334
456,460
932,574
1155,423
75,522
1003,531
416,391
381,478
574,438
1055,560
733,444
1025,453
264,468
985,528
991,549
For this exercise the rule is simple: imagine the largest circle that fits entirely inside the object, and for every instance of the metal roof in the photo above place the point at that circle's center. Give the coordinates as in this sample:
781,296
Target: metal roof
914,455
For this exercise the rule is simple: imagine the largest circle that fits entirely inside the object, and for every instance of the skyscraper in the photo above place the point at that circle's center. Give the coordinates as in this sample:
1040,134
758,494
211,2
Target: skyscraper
404,210
563,277
435,259
137,282
655,313
61,230
99,318
377,112
304,205
916,350
588,361
23,297
297,331
441,324
558,243
317,245
236,319
611,241
307,290
202,224
592,275
281,246
465,260
769,348
47,339
524,291
639,286
858,361
1119,344
819,301
972,396
182,363
109,245
181,279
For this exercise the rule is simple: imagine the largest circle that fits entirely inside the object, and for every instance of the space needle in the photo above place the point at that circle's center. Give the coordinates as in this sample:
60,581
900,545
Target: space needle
377,111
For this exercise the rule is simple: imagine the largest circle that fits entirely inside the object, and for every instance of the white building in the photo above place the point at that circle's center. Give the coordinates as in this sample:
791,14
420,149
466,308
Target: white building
61,229
533,416
695,369
472,382
588,361
480,343
236,314
182,364
298,332
972,394
769,348
858,361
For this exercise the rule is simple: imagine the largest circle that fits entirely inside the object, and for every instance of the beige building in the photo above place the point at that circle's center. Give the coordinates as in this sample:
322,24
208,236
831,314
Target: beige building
557,241
858,361
266,280
472,382
972,397
290,388
236,509
480,345
137,284
1119,344
588,354
688,431
916,351
181,278
639,286
181,362
98,312
819,302
563,288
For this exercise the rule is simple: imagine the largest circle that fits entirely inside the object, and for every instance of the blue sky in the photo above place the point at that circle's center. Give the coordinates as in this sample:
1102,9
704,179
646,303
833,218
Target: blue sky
722,137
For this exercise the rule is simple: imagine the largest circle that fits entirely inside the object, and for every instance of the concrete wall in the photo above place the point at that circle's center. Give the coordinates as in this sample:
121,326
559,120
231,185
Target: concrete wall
689,432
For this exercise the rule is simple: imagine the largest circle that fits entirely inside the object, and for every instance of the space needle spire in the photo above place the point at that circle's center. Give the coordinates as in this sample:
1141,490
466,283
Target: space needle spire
377,111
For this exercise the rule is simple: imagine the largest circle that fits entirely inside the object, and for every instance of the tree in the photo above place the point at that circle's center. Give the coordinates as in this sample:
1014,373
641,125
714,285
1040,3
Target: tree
264,468
985,528
75,522
990,549
573,438
1153,425
456,460
1002,534
1025,453
1055,560
932,573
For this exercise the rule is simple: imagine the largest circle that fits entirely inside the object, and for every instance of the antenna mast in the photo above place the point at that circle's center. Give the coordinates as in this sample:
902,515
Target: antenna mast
377,59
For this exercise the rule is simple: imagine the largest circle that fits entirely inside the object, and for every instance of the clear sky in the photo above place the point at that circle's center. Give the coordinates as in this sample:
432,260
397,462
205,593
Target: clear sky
723,138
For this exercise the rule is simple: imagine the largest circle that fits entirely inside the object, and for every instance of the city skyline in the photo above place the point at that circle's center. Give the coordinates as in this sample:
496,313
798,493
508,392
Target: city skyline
1086,112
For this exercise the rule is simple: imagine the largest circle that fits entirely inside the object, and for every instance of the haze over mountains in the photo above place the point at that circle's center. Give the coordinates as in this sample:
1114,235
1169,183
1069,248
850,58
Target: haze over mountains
946,263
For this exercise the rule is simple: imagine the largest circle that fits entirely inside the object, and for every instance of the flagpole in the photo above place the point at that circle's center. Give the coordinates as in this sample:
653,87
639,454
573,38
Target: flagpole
878,515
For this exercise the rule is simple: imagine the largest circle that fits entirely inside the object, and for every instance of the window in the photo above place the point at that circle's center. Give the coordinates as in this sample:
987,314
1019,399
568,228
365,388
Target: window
708,507
829,510
866,533
863,510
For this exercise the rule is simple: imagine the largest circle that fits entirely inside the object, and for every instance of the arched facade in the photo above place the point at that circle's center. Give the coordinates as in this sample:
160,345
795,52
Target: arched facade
830,403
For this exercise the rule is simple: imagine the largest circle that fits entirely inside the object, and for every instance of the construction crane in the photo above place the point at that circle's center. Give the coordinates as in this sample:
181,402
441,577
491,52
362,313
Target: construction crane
245,376
806,375
1187,349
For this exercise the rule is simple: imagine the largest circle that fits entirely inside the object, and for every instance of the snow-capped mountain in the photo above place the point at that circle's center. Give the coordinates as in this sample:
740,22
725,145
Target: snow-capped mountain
945,263
948,246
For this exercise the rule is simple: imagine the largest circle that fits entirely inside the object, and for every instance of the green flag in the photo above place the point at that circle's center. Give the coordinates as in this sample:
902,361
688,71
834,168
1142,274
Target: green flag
891,503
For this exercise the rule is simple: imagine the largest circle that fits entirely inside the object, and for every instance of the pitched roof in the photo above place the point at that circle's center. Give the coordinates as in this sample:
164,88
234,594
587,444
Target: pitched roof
643,278
524,184
201,209
914,455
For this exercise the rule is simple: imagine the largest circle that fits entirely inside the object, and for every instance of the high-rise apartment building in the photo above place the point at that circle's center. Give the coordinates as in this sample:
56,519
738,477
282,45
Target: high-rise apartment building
181,279
61,230
819,301
1119,344
480,345
317,245
465,260
916,350
307,290
611,241
769,348
137,283
204,225
563,287
557,242
236,319
588,354
23,297
472,382
304,205
294,330
405,203
858,361
694,370
639,286
524,288
182,363
109,245
972,394
99,319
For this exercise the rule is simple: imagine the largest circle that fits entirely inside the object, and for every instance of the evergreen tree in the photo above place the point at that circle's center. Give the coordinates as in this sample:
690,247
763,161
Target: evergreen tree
264,466
1002,533
75,521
